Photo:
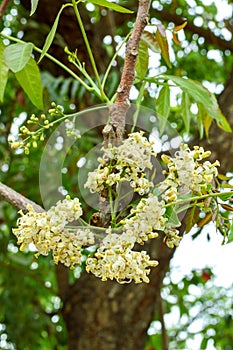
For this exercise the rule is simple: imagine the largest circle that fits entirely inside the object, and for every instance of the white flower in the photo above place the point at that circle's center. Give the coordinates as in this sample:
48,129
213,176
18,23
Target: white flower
172,238
136,151
124,163
116,260
115,257
147,219
29,225
187,171
47,231
96,179
67,210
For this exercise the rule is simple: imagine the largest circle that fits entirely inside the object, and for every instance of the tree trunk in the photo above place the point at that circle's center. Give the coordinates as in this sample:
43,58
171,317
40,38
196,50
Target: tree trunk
110,316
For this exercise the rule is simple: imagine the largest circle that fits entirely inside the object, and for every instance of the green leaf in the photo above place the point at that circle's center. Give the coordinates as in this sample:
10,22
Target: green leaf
193,88
51,35
204,99
191,218
227,186
230,236
224,177
224,197
200,119
110,5
30,81
223,123
185,111
207,121
172,217
150,39
17,55
34,4
215,113
3,71
161,39
163,107
142,61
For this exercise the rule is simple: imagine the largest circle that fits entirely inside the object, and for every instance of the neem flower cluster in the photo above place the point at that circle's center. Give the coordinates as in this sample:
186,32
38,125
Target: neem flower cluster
62,232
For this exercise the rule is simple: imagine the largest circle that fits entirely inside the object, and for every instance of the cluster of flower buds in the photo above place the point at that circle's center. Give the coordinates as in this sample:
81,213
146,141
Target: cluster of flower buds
47,232
115,259
30,138
128,162
188,173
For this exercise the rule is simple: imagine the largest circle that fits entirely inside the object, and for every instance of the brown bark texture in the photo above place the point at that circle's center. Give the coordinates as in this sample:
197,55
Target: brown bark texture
107,315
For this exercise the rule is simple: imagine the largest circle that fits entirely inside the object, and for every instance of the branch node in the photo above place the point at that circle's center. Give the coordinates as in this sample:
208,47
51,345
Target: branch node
134,51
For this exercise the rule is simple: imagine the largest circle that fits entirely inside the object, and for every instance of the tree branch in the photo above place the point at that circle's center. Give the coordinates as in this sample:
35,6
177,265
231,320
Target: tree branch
115,129
17,199
3,7
205,33
113,132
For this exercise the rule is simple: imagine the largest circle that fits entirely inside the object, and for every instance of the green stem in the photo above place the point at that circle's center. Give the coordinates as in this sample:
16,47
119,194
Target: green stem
64,117
113,98
86,75
112,206
77,114
116,202
196,198
76,11
53,59
187,200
